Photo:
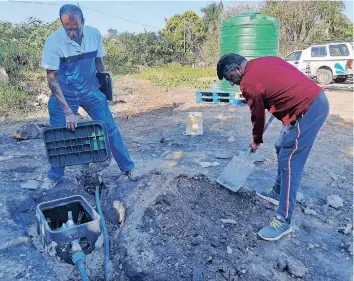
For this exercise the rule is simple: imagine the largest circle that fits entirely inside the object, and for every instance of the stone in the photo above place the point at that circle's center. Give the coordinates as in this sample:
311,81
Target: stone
228,273
215,243
324,247
230,221
335,201
310,246
300,197
2,118
229,250
31,184
222,155
294,267
309,211
309,203
210,259
231,139
27,132
317,245
205,164
243,271
195,241
197,274
348,229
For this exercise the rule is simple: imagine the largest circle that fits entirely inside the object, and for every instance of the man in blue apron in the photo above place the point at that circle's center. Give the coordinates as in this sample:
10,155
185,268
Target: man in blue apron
72,55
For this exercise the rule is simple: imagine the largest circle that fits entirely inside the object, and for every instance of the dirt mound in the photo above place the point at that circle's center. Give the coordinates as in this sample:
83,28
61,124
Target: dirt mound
174,231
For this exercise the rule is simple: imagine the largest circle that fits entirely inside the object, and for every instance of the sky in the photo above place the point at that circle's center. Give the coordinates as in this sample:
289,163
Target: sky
148,15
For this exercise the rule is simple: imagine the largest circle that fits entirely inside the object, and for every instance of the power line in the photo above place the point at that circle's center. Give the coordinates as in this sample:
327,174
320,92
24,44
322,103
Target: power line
82,7
36,2
119,17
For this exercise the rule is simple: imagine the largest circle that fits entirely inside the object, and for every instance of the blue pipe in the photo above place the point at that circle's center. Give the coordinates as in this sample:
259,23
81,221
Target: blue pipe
79,259
105,235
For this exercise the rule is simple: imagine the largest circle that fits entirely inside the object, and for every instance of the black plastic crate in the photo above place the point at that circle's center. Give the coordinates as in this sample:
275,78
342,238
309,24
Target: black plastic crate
88,144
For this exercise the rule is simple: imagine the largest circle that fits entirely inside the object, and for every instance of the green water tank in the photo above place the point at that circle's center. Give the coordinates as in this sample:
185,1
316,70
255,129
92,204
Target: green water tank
251,35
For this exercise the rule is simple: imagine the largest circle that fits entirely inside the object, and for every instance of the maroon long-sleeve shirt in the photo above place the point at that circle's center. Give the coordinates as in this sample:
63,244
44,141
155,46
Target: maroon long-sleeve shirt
273,84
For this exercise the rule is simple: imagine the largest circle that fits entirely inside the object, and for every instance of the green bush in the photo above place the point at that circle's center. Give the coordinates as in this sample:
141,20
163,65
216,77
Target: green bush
17,59
176,75
21,45
15,102
115,65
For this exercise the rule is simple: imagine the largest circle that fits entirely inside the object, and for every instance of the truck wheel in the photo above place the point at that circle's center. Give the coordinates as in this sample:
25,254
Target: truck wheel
324,76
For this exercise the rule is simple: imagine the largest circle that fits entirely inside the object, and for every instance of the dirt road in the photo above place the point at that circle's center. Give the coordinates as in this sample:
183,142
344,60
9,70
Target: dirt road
173,226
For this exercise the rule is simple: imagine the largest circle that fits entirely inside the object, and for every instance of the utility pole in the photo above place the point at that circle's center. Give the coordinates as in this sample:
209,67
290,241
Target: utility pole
184,35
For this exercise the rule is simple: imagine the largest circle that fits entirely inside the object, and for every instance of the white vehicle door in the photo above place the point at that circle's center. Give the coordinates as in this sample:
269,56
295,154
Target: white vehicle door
294,58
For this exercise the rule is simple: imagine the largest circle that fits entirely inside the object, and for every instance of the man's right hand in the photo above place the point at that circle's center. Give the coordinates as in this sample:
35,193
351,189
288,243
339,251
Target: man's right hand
70,118
71,121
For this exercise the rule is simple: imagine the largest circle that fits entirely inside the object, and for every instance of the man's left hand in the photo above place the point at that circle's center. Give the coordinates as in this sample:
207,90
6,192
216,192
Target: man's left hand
254,146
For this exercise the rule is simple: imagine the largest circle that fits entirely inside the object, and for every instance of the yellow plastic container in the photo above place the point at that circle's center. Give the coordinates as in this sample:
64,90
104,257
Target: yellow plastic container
194,124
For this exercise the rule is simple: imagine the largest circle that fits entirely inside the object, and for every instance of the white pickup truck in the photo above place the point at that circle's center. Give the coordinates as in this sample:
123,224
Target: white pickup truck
325,62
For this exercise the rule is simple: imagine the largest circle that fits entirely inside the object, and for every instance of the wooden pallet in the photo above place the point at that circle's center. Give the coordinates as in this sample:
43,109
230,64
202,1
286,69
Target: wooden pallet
219,97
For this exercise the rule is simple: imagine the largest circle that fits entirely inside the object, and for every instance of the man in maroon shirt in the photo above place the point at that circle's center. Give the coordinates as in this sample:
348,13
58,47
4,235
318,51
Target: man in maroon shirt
273,84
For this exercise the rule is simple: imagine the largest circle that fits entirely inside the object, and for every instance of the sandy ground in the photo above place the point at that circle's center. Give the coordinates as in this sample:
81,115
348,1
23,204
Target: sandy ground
173,228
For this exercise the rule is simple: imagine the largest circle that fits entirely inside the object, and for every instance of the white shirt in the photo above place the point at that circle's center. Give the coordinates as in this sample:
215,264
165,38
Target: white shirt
59,45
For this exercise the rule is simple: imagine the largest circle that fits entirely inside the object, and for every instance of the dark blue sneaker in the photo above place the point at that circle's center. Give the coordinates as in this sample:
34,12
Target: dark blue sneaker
276,229
270,195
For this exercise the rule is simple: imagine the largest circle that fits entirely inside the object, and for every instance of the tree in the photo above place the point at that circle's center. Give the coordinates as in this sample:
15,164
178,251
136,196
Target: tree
334,24
187,31
302,22
212,21
212,16
126,50
112,32
242,7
